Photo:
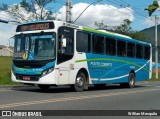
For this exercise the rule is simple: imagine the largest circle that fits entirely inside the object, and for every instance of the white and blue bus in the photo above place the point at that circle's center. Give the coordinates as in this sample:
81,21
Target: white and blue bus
48,53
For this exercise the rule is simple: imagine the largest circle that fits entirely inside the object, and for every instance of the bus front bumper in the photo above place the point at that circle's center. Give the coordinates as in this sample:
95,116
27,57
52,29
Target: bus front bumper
47,79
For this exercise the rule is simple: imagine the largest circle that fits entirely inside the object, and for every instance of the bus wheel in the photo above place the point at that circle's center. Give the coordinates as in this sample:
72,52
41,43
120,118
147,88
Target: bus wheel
131,81
44,87
79,85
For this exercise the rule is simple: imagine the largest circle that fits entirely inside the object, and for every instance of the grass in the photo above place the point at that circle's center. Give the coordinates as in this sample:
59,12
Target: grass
5,71
153,77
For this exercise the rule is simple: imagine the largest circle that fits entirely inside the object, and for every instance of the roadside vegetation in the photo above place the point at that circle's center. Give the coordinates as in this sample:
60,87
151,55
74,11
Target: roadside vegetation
153,77
5,71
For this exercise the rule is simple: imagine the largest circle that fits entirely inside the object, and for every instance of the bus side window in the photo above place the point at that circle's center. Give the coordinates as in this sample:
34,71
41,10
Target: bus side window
98,44
121,51
83,42
110,46
139,51
146,52
130,50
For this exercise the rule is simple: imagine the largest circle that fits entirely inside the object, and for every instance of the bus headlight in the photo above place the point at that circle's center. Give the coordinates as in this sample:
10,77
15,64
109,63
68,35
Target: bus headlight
50,70
44,73
47,71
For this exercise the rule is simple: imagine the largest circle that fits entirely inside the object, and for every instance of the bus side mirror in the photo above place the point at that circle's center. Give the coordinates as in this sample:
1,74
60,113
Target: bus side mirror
64,44
11,41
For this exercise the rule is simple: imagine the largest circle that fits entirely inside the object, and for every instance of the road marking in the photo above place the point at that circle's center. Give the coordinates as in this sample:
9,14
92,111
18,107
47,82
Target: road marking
72,98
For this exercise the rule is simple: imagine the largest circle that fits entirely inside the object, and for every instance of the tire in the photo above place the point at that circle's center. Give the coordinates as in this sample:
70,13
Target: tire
131,81
80,82
44,87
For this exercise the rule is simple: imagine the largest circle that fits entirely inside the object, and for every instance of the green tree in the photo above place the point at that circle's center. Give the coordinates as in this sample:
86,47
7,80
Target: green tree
101,25
29,10
124,28
151,8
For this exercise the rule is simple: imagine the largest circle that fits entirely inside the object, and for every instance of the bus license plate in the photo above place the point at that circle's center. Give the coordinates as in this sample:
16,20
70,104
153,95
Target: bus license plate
27,78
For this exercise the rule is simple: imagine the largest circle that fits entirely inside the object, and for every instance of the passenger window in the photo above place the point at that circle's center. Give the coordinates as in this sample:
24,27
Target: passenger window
98,44
139,51
121,51
146,52
83,42
110,46
130,50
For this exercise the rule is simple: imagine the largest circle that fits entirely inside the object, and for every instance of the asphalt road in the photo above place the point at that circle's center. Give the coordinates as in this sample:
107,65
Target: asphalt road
145,96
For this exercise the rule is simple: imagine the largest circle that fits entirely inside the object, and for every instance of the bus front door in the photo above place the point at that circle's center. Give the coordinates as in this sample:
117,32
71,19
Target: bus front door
65,53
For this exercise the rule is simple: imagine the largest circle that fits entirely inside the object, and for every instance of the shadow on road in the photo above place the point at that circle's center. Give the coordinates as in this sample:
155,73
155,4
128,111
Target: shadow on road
67,89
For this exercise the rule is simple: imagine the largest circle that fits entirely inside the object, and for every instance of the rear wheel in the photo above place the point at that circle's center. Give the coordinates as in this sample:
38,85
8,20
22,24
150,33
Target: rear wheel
44,87
80,82
131,81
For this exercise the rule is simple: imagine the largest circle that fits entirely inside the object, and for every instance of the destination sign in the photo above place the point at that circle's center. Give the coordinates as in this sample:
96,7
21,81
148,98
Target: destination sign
35,26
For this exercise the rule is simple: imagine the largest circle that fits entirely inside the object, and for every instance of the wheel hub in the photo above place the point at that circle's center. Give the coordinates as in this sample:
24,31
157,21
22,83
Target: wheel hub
79,81
131,80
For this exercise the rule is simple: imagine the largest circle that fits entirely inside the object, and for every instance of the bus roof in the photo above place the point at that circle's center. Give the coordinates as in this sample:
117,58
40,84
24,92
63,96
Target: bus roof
114,35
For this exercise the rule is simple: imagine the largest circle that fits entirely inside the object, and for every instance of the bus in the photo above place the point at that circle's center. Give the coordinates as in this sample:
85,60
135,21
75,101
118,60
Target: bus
53,53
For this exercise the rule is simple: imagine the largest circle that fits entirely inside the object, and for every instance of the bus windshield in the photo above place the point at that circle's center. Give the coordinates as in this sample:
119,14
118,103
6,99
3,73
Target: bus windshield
36,46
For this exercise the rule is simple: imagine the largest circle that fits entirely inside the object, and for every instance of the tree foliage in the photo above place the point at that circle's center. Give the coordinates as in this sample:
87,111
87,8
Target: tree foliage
124,28
29,10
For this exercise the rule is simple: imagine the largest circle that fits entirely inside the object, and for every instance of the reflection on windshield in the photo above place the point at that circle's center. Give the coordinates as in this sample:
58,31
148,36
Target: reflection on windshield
35,46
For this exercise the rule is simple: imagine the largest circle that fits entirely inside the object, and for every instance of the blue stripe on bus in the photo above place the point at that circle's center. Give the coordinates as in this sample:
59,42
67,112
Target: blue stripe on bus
32,71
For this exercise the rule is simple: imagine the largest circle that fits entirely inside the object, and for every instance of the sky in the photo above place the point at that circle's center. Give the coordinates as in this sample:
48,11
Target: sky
110,12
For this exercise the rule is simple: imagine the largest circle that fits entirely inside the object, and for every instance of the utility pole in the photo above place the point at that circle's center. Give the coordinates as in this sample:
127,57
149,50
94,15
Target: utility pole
151,8
68,11
156,48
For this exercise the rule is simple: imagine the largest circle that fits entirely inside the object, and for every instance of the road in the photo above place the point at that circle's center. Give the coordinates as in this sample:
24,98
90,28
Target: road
145,96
